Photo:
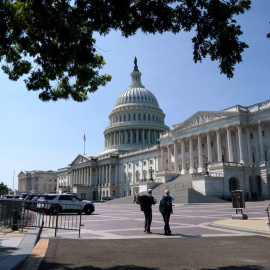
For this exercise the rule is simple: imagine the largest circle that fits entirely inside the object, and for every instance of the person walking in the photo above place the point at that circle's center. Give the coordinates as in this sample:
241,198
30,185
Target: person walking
146,202
165,208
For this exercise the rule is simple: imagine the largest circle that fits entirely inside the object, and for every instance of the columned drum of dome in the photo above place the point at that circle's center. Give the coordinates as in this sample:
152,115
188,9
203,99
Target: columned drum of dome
136,120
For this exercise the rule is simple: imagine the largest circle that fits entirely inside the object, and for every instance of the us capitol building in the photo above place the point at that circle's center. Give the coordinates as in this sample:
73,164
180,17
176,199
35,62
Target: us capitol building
214,151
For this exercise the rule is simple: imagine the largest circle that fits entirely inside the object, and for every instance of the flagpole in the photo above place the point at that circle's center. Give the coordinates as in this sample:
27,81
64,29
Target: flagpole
84,140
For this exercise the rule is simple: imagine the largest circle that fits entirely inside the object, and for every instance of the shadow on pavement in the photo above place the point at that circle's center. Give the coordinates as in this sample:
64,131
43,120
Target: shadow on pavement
233,267
56,266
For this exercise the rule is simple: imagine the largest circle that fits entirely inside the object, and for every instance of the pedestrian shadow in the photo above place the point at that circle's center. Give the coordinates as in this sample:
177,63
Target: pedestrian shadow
181,235
233,267
55,266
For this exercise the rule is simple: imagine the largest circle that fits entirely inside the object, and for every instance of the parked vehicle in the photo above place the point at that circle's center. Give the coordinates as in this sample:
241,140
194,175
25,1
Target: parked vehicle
58,203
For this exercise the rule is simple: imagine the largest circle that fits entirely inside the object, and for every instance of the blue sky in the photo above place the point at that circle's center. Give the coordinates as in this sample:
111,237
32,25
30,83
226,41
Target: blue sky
48,136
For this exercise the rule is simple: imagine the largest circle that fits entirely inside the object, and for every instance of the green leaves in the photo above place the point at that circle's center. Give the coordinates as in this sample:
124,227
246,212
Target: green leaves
52,42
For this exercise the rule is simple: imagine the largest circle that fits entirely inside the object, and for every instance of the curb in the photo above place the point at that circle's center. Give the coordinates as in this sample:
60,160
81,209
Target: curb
17,257
238,229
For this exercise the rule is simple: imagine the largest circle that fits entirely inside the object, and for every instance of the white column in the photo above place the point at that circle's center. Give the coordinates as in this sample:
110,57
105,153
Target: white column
240,139
111,134
117,168
162,158
209,149
119,138
155,136
183,152
249,145
169,158
219,152
191,164
126,137
262,156
110,173
176,168
106,174
229,141
200,168
90,176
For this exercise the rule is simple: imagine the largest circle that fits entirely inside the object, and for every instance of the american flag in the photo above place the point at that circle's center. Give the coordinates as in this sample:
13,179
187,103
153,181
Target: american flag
84,138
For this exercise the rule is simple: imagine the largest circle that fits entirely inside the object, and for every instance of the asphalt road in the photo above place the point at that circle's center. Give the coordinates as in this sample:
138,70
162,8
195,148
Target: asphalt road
219,253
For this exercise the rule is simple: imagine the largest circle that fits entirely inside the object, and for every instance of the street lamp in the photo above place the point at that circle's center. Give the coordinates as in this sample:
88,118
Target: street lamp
205,162
151,174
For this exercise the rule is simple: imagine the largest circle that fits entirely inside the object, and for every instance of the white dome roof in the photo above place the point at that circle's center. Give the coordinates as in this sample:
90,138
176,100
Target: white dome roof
136,95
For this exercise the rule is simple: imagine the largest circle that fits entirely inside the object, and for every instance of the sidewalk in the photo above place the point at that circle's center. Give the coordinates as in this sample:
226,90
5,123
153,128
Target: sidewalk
16,246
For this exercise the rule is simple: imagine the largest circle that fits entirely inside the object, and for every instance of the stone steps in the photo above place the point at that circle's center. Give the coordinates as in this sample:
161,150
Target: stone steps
181,190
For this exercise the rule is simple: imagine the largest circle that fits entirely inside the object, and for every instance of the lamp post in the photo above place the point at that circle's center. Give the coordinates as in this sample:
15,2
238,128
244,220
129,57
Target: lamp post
205,162
151,173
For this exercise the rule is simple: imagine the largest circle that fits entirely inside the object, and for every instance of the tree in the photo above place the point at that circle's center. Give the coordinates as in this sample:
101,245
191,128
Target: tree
52,40
3,189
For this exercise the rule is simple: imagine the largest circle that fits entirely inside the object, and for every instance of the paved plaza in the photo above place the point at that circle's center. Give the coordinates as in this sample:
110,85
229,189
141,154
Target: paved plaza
113,221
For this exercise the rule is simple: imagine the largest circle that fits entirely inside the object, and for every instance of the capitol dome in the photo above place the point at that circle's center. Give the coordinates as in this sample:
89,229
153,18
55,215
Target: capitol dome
136,120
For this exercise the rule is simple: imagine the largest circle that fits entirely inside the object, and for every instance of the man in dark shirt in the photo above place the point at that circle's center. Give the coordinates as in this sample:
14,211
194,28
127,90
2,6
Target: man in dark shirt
148,211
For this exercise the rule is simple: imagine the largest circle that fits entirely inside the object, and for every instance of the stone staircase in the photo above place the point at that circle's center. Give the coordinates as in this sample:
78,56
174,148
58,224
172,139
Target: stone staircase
181,189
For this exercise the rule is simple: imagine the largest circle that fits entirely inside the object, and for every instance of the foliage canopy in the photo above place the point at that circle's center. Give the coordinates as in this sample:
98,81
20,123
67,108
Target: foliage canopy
3,189
52,40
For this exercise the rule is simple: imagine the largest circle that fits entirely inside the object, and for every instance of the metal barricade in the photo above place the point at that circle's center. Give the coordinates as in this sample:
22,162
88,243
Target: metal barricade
53,216
6,211
268,214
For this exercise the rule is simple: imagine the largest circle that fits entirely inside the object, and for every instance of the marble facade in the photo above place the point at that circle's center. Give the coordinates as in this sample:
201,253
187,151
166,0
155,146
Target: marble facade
221,150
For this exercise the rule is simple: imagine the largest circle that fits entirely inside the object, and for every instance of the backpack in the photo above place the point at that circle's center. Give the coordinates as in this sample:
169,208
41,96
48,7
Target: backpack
166,204
145,202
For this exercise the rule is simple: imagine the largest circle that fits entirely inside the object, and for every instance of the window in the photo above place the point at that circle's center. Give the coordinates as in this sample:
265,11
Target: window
129,117
263,133
194,148
148,117
251,136
153,118
129,165
125,118
139,116
203,146
212,144
186,149
134,117
144,163
179,151
144,118
124,166
151,161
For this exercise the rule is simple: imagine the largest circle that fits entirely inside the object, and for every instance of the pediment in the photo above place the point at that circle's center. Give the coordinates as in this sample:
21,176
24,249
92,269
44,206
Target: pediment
80,159
22,173
201,118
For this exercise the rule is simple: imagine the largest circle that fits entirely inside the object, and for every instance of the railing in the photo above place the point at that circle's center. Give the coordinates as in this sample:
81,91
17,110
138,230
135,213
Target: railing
58,216
210,174
268,215
6,210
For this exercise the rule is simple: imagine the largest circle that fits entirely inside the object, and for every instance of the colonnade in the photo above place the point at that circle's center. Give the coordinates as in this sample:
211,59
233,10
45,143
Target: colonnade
106,174
131,136
223,148
137,166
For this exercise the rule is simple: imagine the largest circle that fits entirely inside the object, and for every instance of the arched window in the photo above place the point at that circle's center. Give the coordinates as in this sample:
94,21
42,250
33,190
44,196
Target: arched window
137,176
134,117
139,116
129,117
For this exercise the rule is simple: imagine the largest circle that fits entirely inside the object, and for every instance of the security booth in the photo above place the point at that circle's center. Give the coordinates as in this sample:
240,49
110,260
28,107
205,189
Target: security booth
238,202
